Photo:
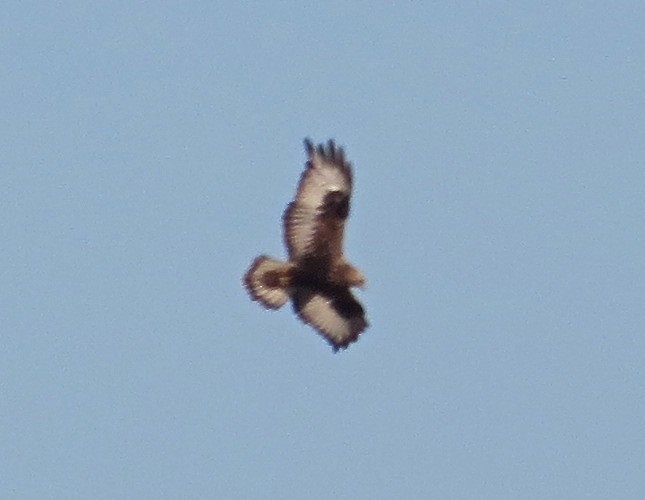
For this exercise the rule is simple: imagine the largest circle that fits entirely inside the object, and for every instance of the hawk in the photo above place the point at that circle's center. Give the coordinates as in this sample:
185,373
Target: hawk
317,277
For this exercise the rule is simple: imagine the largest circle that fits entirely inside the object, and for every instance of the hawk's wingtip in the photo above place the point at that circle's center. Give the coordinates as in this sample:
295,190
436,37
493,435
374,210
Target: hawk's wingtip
309,146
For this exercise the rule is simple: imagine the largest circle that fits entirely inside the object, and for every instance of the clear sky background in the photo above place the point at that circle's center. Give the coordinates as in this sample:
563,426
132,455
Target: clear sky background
147,151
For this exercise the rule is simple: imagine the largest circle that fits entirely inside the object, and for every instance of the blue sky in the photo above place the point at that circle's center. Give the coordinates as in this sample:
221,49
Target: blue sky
147,151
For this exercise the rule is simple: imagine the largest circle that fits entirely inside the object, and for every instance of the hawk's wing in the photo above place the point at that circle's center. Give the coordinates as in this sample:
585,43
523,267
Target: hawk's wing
315,220
336,314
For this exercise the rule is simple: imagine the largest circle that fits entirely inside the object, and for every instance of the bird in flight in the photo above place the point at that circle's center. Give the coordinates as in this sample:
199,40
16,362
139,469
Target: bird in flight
317,277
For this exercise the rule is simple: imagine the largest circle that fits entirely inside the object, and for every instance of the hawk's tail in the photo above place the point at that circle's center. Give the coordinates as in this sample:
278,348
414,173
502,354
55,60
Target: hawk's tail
268,281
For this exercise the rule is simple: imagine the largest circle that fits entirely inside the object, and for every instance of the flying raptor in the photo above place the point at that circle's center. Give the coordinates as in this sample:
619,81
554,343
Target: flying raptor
317,277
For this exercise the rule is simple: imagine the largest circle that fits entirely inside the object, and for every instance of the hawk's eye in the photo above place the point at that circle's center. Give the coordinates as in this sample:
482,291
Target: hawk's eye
336,204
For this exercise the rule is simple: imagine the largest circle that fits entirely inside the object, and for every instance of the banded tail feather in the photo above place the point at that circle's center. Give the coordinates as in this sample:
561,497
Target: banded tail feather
268,281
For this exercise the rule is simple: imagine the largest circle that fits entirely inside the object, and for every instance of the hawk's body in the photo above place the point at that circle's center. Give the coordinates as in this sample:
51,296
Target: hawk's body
317,277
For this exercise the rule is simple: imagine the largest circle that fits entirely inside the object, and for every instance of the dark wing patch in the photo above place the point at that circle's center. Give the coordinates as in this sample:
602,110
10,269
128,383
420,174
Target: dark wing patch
335,205
334,313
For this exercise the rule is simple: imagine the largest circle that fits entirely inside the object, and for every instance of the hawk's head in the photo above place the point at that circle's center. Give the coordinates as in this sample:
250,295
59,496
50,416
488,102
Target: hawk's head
348,275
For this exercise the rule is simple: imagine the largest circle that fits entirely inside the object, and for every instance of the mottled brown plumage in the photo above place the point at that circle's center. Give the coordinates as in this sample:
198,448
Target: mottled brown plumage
317,277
